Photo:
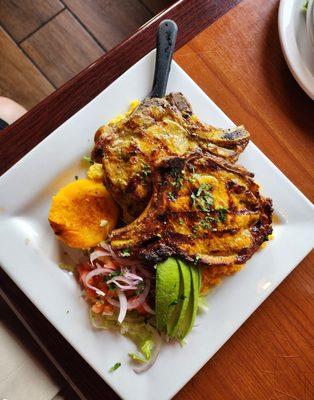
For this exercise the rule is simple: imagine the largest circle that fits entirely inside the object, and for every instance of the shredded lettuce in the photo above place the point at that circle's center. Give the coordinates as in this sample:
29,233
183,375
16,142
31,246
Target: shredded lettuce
67,267
305,6
202,304
142,336
134,327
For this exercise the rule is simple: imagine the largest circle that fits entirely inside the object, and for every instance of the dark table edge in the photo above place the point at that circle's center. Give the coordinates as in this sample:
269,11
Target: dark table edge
192,17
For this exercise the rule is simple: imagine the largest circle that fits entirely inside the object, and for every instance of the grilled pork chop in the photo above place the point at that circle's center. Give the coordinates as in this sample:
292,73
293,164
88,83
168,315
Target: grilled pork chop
156,129
203,209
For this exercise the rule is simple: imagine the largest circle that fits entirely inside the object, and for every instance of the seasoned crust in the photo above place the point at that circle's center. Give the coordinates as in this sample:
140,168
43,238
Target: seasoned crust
203,209
158,128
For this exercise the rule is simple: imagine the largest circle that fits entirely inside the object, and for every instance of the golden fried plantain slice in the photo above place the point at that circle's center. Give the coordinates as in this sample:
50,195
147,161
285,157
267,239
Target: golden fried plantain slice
83,213
156,129
204,210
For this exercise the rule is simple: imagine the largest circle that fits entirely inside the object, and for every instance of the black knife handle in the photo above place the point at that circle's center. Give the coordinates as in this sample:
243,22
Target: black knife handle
166,40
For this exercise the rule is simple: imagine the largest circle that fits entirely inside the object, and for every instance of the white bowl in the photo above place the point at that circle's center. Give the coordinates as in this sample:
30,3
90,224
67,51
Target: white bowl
310,23
295,43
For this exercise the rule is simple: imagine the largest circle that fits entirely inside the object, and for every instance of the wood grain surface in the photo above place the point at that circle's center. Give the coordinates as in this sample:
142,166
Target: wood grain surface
21,18
30,85
238,62
156,6
64,42
110,21
192,16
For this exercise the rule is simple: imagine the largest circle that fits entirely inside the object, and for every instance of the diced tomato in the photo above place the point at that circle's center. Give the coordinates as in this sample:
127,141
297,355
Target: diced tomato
141,310
98,307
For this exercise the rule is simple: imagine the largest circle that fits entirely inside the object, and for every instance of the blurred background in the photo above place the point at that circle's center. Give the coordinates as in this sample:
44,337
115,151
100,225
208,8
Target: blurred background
44,43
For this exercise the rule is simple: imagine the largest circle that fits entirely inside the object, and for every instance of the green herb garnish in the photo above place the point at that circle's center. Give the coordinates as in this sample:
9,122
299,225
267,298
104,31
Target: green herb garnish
202,198
126,252
178,179
146,171
206,223
222,214
88,159
197,258
114,367
171,196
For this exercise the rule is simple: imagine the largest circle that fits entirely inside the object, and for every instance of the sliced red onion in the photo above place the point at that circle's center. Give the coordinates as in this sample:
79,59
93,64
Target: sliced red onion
105,267
148,309
124,287
133,276
120,260
135,302
96,254
123,306
91,274
130,284
154,355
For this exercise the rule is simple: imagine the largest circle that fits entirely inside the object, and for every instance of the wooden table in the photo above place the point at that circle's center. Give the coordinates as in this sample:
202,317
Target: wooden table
238,62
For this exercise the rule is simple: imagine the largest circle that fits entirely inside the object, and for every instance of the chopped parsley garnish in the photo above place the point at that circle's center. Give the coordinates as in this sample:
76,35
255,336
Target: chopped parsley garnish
171,196
126,252
204,187
206,223
114,367
202,198
181,222
146,171
112,274
88,159
112,286
197,258
222,214
195,229
178,178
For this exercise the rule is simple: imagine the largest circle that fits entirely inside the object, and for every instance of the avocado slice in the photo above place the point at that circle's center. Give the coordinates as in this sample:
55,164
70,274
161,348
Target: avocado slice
167,291
179,313
188,322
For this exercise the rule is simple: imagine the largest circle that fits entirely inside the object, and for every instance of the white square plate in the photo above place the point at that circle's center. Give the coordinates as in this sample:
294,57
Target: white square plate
30,254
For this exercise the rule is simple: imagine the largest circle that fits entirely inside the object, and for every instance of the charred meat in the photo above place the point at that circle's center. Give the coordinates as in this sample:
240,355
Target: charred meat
158,128
203,209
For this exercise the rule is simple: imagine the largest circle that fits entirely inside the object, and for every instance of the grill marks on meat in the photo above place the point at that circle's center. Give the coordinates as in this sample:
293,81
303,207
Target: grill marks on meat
203,209
156,129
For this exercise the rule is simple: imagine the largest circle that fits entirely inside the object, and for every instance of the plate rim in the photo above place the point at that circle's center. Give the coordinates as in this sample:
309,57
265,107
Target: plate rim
297,69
